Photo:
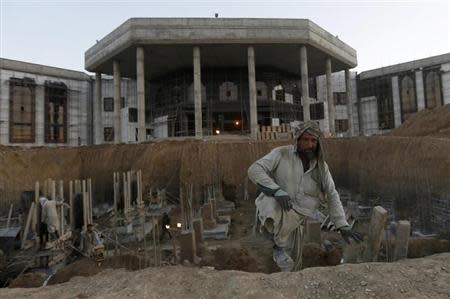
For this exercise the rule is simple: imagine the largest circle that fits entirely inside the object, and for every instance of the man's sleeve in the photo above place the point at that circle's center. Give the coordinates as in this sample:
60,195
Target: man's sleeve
261,171
335,208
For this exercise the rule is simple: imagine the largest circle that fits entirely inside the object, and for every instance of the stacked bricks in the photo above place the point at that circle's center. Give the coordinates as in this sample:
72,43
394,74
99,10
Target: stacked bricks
275,132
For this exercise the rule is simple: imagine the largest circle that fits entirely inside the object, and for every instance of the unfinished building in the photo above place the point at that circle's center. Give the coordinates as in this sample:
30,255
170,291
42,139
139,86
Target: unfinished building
207,76
390,95
42,105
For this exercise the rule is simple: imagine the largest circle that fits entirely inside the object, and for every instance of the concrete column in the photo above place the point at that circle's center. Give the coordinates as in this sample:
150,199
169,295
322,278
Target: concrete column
117,122
313,232
252,92
188,248
445,79
330,97
197,93
4,107
402,240
419,91
198,229
305,87
348,90
376,233
360,118
40,115
140,83
396,102
213,202
209,221
98,135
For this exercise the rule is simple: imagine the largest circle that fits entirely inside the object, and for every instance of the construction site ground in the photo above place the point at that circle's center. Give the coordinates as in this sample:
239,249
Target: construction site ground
413,278
242,267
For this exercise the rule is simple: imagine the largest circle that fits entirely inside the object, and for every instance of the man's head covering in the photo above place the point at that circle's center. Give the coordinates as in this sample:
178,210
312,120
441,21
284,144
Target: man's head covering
310,127
43,200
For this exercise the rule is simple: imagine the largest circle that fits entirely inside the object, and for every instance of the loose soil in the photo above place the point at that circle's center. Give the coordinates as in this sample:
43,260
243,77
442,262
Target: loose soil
29,280
415,278
88,267
429,122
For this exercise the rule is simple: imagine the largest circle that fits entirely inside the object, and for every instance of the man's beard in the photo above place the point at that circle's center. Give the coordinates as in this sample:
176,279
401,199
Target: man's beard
309,154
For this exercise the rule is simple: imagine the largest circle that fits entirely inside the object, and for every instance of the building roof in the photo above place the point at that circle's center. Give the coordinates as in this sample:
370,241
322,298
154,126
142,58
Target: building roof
38,69
222,41
406,66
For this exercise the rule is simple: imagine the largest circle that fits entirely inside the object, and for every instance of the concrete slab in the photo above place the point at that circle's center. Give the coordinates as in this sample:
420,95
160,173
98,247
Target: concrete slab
270,36
220,232
225,207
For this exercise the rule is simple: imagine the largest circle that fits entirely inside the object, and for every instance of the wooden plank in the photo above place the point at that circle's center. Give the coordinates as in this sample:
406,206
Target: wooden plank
52,184
125,189
129,189
84,193
116,191
61,196
37,221
8,222
71,212
90,200
27,225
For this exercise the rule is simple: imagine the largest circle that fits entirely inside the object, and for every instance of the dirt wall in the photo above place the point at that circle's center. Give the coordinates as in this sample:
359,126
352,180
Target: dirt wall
408,168
21,168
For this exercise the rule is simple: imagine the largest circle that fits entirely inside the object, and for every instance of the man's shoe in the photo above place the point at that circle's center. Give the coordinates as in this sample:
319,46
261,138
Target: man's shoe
283,260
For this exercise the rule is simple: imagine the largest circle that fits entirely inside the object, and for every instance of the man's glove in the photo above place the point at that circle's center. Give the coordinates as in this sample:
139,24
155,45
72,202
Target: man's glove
347,234
283,199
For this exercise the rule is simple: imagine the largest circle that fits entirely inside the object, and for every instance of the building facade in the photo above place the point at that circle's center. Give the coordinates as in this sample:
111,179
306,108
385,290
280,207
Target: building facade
199,77
42,105
390,95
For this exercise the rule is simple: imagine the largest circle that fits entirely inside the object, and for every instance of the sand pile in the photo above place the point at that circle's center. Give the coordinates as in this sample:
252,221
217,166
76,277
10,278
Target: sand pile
429,122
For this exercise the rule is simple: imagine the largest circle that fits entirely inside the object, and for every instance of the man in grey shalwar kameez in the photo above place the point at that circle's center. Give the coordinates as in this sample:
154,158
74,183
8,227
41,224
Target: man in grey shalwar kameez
294,179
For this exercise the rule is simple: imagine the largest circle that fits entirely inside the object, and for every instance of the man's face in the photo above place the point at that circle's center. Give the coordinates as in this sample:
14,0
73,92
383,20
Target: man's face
307,143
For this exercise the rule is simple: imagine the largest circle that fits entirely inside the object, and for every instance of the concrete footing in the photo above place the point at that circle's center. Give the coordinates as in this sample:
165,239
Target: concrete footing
313,232
376,233
402,240
214,208
209,220
197,224
188,248
220,231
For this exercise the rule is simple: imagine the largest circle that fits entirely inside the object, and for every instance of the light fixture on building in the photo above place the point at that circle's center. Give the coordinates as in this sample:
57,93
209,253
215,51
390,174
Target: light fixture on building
236,123
217,132
179,225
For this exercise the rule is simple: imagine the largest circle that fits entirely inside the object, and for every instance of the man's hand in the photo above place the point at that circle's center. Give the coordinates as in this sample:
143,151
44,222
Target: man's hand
347,234
283,199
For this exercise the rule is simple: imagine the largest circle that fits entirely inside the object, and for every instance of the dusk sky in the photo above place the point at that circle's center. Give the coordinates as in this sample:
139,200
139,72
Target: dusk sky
58,32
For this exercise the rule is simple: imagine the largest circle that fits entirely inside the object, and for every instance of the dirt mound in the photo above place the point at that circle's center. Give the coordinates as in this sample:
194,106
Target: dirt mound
29,280
315,256
417,278
231,258
430,122
87,267
424,247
